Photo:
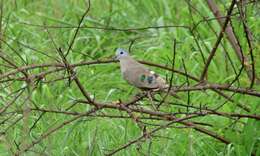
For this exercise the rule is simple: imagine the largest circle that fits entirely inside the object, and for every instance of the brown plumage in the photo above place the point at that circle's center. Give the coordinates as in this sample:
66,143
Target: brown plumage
138,75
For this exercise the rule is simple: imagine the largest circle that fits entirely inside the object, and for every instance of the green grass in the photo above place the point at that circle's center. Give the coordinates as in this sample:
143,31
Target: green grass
96,135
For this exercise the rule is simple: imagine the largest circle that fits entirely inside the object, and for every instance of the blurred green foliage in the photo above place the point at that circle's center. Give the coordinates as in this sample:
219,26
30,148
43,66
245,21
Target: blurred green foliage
104,80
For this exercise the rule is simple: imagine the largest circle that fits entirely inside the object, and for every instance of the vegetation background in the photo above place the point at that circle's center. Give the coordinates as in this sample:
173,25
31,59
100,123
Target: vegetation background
62,94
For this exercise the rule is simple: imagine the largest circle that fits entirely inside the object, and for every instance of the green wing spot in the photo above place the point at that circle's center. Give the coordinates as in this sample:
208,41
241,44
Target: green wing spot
142,78
150,79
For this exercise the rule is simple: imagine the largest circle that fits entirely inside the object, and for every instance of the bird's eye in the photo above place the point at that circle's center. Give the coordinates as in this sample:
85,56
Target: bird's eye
121,52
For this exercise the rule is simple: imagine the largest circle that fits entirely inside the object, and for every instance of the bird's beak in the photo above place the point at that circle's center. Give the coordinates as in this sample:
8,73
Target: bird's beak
114,58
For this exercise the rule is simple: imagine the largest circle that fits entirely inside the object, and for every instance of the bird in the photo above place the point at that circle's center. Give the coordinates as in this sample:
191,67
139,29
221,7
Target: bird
138,75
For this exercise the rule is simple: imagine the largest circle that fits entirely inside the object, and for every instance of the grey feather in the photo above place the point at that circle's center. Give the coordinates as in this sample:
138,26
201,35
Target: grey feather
138,75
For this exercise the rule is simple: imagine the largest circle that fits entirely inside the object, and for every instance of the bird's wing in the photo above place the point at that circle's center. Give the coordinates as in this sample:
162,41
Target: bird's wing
138,75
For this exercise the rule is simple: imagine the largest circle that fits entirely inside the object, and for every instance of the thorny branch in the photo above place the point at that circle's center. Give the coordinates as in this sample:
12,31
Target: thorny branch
137,109
220,36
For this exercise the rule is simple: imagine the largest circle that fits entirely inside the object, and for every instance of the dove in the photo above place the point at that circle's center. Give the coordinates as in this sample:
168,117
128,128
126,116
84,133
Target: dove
138,75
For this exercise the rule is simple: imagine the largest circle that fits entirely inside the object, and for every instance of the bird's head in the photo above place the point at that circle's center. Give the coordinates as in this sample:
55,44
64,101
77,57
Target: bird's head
120,53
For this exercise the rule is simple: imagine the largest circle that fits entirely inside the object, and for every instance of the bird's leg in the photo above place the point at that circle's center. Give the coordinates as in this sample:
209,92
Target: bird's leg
150,96
161,101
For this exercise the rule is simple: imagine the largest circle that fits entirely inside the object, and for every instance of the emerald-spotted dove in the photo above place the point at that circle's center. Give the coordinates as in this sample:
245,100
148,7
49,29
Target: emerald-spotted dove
138,75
